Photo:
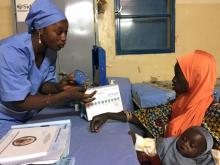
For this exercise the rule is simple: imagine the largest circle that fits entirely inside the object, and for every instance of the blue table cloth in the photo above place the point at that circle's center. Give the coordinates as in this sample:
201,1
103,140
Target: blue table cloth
111,146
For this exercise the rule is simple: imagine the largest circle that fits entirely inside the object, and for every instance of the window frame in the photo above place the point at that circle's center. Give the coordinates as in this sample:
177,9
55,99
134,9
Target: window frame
118,16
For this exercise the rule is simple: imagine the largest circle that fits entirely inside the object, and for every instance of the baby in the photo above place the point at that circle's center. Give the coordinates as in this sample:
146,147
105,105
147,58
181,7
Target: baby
193,147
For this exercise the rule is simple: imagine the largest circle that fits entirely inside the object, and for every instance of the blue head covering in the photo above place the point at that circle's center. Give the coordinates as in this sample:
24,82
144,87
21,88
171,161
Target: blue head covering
43,13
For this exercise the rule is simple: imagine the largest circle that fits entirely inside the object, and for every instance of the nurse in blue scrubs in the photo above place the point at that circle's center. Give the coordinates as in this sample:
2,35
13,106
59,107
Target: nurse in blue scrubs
27,67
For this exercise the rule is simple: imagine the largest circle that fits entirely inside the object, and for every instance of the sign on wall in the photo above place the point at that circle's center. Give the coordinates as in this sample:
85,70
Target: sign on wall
22,9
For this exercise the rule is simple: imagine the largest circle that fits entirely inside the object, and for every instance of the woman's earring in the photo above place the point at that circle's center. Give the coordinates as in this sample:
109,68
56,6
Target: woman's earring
39,39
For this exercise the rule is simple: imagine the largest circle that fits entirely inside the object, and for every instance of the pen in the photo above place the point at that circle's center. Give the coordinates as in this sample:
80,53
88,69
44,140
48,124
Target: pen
44,125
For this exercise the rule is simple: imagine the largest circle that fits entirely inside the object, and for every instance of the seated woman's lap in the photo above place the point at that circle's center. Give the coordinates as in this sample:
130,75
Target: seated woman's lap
154,120
212,123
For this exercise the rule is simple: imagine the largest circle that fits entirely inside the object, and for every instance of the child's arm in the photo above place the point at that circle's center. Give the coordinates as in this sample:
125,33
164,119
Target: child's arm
147,145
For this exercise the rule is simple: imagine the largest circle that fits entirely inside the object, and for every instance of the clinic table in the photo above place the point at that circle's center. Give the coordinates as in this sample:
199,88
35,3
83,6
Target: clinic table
111,146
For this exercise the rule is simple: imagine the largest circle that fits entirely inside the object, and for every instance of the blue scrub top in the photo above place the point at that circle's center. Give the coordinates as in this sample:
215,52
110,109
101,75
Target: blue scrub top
19,75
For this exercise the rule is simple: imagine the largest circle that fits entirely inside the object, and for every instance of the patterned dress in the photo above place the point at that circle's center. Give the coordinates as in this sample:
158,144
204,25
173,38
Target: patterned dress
156,119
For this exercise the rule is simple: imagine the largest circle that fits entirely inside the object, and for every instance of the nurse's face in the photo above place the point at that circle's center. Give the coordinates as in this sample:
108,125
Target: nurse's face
54,36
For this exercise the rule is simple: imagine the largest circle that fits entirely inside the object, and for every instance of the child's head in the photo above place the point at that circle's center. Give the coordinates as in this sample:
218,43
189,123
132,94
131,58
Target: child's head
194,142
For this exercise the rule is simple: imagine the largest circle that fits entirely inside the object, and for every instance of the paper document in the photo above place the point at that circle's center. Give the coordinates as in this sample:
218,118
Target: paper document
36,143
59,149
27,143
108,99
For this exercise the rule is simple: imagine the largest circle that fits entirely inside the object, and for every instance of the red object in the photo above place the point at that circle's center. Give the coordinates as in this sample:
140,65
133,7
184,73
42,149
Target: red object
144,159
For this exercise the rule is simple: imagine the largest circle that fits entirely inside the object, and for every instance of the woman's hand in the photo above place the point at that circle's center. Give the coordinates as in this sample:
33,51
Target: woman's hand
78,93
87,98
69,80
97,122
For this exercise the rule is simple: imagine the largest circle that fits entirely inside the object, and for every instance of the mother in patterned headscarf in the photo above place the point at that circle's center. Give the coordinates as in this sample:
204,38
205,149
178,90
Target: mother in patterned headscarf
193,82
27,67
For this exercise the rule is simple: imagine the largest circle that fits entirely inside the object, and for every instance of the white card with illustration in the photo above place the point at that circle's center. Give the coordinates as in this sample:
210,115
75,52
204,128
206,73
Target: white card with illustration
108,99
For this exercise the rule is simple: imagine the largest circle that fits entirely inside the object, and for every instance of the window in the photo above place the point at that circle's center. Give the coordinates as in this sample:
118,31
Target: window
145,26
